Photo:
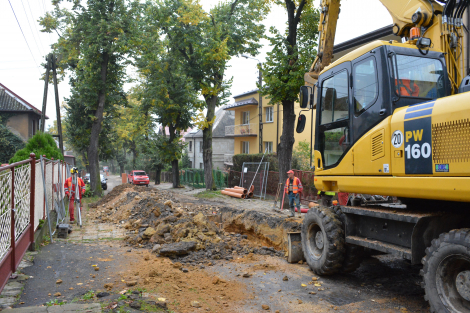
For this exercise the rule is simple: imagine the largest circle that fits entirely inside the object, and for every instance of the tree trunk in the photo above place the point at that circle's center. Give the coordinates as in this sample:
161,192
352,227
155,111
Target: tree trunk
95,184
286,144
175,173
157,176
207,141
121,169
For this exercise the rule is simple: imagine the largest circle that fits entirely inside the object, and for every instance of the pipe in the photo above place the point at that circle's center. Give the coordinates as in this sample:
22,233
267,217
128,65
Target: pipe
242,191
252,189
250,195
302,210
236,187
233,194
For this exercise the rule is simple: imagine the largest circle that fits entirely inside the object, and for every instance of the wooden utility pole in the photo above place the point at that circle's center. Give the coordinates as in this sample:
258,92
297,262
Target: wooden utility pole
44,99
57,104
52,63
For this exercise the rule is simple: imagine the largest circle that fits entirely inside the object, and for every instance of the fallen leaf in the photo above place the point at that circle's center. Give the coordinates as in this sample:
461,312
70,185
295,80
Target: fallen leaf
303,285
161,299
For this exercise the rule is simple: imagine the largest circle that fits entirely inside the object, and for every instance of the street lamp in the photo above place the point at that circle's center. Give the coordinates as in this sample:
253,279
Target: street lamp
260,102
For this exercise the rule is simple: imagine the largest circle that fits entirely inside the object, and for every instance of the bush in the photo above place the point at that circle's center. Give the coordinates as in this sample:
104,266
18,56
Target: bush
39,144
9,144
239,159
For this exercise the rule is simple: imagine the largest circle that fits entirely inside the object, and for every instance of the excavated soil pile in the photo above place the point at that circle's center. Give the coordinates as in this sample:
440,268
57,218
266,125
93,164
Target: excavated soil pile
116,192
184,232
183,288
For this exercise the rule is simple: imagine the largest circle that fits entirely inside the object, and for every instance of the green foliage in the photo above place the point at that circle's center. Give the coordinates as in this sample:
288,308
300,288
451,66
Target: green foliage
53,302
89,295
239,159
291,55
185,161
96,40
9,144
39,144
301,157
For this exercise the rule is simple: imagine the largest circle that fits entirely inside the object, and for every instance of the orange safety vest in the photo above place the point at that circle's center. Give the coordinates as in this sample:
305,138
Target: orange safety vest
68,186
296,185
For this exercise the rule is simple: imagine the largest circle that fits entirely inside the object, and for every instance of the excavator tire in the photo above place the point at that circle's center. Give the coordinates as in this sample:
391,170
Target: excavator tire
446,272
353,255
323,241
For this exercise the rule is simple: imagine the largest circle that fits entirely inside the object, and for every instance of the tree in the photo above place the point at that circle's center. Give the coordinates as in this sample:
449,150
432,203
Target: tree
291,56
39,144
94,42
207,41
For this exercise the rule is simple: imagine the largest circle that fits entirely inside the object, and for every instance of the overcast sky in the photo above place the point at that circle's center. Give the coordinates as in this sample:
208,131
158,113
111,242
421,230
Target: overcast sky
20,69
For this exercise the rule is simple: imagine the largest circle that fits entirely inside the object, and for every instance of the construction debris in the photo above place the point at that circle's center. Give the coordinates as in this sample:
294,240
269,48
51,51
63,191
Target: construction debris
184,232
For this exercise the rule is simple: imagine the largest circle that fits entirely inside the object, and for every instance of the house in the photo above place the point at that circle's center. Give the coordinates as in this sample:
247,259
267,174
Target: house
167,132
246,131
222,146
21,117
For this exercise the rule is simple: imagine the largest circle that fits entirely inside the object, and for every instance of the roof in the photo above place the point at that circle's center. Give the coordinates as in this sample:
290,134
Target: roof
366,48
182,133
363,39
222,118
246,93
250,101
10,101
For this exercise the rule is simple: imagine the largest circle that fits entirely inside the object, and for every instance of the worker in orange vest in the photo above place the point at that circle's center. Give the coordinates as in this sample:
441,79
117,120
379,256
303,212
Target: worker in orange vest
69,189
293,188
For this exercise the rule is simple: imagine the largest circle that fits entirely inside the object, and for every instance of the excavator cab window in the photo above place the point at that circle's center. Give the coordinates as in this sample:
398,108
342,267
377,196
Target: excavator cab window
418,77
365,85
333,135
334,101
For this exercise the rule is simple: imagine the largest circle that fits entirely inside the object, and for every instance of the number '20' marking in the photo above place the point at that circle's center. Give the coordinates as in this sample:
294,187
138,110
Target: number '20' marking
416,151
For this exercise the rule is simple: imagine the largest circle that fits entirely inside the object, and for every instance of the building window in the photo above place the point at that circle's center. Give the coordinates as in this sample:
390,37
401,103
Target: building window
200,147
269,114
268,145
246,118
190,146
201,165
190,164
246,147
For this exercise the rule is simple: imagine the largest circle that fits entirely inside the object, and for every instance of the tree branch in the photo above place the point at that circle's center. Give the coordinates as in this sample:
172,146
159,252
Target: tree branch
299,11
232,8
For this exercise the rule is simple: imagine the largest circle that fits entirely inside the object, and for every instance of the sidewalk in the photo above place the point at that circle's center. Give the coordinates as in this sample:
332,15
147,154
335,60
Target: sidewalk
66,308
69,261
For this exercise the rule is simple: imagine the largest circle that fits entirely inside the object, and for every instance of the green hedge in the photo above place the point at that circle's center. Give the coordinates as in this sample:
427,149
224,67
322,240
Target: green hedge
9,144
39,144
239,159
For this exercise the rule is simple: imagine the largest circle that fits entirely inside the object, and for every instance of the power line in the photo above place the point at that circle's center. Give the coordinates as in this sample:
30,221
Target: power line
30,28
24,36
35,27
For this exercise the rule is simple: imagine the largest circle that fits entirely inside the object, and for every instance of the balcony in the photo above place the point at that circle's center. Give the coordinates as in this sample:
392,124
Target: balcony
228,159
243,130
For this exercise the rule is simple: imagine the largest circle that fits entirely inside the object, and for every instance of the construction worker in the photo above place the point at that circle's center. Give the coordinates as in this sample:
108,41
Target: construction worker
69,189
293,188
326,198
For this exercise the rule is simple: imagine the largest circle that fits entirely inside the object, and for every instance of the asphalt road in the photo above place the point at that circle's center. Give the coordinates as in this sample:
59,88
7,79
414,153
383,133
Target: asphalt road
113,181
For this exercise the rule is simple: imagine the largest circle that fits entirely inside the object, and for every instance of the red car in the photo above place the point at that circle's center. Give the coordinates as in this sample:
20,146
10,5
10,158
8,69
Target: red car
138,178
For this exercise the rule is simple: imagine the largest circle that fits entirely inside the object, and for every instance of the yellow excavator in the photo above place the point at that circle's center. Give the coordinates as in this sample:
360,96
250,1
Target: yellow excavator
393,118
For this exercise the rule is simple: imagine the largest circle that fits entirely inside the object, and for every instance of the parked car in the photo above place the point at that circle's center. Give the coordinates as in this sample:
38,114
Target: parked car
104,183
138,178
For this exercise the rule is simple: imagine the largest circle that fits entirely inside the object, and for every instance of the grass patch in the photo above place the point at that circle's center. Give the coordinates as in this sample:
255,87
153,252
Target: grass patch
209,194
54,302
89,295
149,308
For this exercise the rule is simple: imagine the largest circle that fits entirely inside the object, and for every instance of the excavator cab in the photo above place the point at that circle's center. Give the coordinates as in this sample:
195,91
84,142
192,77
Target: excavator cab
364,87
